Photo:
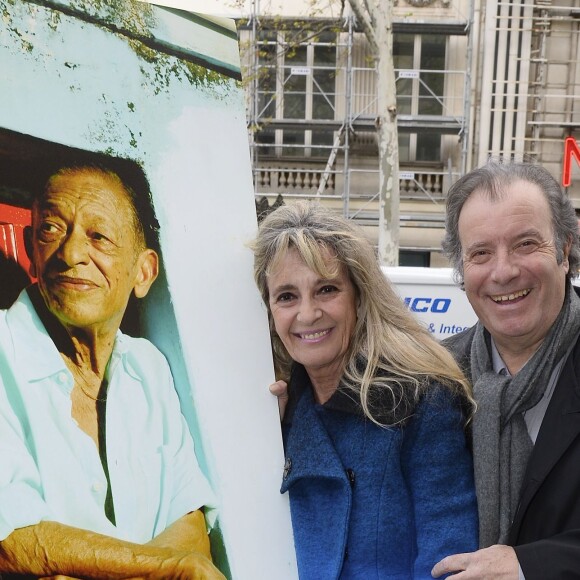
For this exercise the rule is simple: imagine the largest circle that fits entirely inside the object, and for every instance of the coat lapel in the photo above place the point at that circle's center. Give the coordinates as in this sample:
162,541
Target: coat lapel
560,427
320,494
309,450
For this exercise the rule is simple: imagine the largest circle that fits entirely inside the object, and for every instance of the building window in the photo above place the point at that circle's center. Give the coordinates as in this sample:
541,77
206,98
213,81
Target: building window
414,258
419,62
297,83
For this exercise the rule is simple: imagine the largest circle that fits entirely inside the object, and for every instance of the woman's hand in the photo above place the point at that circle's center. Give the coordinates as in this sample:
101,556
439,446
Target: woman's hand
280,389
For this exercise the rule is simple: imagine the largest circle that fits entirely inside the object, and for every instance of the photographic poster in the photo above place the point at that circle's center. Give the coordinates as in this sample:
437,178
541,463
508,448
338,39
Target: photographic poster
161,86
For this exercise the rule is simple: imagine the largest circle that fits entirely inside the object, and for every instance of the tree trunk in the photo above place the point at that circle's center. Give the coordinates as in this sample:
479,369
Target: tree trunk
387,136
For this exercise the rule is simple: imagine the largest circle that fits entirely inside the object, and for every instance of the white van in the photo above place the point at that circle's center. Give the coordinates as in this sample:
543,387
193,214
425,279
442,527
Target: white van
434,297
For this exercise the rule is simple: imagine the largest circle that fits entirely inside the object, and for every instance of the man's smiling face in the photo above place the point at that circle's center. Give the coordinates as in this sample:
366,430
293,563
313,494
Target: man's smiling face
511,274
85,248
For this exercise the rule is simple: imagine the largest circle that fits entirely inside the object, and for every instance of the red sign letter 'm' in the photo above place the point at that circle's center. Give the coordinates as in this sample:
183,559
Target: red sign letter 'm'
570,150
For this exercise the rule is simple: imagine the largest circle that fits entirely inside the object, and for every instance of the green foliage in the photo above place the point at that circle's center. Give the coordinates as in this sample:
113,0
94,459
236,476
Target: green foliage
129,15
162,69
130,20
6,11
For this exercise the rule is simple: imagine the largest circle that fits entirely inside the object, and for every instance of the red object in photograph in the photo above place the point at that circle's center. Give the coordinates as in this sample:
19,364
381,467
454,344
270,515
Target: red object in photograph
13,220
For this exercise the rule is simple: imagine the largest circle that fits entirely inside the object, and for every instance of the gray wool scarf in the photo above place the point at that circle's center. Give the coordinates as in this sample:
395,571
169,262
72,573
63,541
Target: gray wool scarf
501,443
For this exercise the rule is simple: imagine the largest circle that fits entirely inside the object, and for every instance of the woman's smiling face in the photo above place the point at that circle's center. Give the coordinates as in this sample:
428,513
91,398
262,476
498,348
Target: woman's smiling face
314,317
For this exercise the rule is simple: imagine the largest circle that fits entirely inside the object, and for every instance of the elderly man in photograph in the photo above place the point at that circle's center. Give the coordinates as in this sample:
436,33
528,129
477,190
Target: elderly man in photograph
98,476
512,235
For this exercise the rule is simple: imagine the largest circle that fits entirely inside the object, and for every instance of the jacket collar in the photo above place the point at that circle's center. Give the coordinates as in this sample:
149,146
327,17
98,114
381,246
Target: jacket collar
35,354
560,427
300,384
309,449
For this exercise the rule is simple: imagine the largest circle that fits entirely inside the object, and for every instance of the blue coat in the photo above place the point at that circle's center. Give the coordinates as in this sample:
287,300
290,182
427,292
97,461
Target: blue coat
369,502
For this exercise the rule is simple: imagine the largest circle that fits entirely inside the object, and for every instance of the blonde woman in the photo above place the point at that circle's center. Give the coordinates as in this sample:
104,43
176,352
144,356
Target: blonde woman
377,467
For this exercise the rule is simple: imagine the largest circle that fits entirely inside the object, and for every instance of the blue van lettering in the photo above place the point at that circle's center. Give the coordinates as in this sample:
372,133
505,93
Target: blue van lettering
417,301
437,305
451,329
441,305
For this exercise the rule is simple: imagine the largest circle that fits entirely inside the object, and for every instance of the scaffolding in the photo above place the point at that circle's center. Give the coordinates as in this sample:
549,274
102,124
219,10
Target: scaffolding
509,86
555,112
328,149
528,87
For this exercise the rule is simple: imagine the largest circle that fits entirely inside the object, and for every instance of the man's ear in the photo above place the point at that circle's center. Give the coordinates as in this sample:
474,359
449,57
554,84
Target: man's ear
29,249
566,252
148,270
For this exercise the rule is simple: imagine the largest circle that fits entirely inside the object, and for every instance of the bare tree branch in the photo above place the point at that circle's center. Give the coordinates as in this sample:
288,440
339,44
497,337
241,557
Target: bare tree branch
370,9
364,20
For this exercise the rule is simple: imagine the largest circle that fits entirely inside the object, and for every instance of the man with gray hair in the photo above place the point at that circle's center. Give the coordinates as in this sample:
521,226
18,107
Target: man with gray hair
512,236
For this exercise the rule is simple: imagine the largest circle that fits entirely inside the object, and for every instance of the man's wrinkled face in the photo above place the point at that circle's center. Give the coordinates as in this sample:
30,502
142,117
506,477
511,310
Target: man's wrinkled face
511,272
86,253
